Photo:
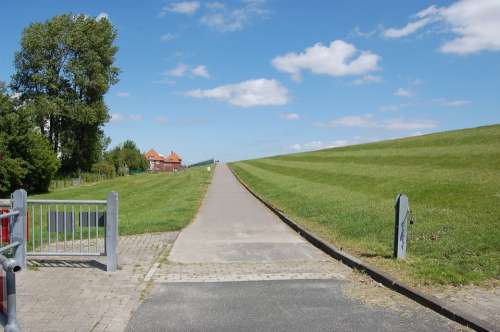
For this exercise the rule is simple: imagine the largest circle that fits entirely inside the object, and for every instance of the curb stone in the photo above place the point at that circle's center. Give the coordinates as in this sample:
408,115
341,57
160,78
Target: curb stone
426,300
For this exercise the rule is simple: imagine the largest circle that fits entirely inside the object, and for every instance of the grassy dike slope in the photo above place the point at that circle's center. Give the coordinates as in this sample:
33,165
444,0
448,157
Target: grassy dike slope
346,195
148,202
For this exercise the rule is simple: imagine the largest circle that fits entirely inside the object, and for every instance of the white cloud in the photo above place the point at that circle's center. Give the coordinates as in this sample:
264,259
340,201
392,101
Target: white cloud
290,116
337,59
474,24
408,29
215,5
404,92
182,7
452,103
178,71
389,108
367,79
364,121
402,124
259,92
101,16
200,71
317,145
167,37
123,117
225,20
367,121
122,94
358,33
161,119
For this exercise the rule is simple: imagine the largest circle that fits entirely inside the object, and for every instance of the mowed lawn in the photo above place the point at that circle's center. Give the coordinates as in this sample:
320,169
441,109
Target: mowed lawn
148,202
347,196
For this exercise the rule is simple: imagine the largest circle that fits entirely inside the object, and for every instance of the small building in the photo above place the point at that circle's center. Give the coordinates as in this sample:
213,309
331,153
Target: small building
159,163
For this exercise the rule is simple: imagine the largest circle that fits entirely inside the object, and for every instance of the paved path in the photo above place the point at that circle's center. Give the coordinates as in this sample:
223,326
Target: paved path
237,267
78,295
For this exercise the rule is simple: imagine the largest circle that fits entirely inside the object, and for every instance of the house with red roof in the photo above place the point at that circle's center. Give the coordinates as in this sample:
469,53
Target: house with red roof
160,163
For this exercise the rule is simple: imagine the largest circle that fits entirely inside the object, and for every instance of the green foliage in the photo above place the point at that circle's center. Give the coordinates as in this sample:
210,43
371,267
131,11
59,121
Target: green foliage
26,159
64,68
126,157
157,202
347,196
104,168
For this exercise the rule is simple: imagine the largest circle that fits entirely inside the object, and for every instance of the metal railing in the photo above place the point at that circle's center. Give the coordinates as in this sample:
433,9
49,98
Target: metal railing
12,258
74,228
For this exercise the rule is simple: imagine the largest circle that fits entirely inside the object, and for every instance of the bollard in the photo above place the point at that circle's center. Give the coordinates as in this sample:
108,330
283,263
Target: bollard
402,217
112,231
18,227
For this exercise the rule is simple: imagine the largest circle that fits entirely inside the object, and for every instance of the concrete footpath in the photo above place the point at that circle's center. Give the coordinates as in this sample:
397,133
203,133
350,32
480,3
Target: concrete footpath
237,267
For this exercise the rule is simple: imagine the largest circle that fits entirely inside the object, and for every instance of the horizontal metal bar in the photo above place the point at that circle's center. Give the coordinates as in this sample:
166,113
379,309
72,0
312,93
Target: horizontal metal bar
9,246
51,253
9,214
67,201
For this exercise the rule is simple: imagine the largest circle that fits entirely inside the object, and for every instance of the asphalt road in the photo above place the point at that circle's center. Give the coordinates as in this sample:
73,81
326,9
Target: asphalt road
291,305
234,235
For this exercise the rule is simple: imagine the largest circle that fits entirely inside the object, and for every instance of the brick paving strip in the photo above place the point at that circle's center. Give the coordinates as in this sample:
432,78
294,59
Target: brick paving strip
76,294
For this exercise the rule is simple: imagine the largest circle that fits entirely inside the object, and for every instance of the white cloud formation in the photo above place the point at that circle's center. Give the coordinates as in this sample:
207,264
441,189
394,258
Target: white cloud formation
200,71
401,92
161,119
358,33
474,24
407,29
452,103
123,94
179,71
317,145
368,121
367,79
389,108
259,92
337,59
215,5
167,37
225,20
182,7
123,117
101,16
290,116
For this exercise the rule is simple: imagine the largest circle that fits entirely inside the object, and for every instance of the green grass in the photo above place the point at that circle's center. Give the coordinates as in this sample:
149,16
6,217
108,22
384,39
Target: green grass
148,202
347,196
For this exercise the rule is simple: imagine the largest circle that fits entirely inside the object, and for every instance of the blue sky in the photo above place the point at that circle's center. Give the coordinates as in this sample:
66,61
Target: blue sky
242,79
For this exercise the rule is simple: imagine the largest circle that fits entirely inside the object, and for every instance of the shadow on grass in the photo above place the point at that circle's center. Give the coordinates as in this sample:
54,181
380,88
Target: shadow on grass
372,255
34,263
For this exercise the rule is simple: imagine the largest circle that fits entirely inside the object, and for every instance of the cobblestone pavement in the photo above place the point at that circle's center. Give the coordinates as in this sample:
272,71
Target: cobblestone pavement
76,294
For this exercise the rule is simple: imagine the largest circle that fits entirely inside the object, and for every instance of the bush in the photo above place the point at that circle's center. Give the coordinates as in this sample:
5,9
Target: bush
27,159
104,168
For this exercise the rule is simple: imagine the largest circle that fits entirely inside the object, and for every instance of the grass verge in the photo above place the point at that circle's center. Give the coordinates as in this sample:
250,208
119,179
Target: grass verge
346,195
152,202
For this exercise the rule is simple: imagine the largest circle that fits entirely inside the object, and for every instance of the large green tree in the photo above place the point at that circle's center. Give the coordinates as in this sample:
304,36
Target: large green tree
64,68
26,158
127,155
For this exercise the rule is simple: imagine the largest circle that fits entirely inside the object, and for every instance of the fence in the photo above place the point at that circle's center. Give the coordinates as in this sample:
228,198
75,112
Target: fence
74,228
14,247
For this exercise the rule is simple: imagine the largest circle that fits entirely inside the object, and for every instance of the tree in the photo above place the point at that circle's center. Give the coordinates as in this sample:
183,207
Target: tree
64,68
127,156
26,158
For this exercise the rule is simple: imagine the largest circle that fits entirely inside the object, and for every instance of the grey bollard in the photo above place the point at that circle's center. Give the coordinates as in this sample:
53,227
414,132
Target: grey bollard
402,218
18,225
112,220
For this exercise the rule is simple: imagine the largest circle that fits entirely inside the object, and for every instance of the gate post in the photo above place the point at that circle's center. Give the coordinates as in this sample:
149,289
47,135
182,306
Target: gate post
17,227
112,231
401,226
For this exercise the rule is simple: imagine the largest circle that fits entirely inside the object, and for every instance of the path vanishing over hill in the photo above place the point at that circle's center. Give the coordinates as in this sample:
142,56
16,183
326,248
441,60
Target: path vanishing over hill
237,267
